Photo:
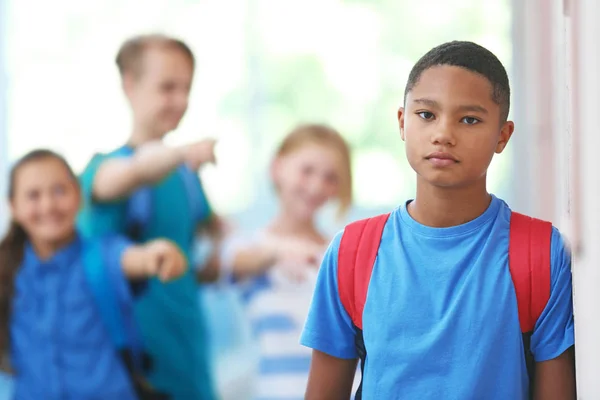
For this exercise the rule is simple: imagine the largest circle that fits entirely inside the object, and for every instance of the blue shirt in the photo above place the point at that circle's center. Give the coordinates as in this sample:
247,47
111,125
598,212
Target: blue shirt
170,318
440,319
60,348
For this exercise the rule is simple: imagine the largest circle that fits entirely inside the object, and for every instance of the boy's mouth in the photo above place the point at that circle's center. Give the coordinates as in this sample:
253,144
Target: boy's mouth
441,159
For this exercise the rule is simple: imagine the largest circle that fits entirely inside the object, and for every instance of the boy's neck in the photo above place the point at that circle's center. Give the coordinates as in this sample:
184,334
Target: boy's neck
286,225
141,135
445,207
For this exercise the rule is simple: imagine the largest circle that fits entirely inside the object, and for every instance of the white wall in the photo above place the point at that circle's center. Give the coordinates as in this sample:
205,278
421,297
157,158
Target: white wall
539,88
556,88
586,196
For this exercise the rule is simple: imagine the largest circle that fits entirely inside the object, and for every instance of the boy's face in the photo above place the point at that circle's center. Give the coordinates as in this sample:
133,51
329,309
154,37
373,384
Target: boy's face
452,127
159,94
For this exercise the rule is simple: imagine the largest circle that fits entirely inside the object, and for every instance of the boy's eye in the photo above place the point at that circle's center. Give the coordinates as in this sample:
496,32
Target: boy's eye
426,115
470,120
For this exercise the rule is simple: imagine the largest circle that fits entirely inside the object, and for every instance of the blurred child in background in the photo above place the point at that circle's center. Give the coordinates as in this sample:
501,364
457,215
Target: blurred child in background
149,190
276,267
54,336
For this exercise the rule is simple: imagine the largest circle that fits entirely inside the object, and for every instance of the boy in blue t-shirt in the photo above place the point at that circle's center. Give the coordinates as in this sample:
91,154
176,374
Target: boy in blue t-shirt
440,319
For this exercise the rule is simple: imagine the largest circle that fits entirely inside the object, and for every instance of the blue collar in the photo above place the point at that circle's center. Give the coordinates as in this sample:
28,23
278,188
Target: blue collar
62,258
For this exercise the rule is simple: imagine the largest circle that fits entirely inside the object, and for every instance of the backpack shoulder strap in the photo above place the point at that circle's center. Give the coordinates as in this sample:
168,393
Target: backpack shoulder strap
105,297
139,211
140,203
529,262
102,291
356,256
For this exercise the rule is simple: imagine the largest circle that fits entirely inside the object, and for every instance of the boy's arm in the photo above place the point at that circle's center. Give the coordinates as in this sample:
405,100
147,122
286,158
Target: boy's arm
553,337
159,258
555,379
252,260
330,333
118,177
330,378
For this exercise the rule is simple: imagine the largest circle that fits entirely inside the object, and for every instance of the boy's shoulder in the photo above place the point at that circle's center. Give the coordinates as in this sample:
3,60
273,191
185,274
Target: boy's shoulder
559,239
397,222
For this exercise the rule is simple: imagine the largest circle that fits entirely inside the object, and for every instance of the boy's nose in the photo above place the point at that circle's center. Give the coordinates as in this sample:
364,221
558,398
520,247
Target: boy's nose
443,135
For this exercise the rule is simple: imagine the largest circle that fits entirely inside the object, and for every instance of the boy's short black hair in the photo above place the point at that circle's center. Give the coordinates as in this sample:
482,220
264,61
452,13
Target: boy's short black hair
472,57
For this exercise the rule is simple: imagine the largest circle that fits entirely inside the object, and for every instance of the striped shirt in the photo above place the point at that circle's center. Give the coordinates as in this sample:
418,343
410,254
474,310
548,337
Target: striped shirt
277,305
277,308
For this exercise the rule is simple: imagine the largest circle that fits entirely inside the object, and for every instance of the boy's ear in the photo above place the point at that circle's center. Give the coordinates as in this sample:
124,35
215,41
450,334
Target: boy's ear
505,134
401,122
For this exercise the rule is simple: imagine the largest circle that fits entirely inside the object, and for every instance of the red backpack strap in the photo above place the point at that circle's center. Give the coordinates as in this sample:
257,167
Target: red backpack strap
529,262
356,256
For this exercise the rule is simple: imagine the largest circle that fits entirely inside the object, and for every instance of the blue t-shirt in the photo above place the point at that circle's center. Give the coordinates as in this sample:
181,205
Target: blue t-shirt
60,348
170,318
440,319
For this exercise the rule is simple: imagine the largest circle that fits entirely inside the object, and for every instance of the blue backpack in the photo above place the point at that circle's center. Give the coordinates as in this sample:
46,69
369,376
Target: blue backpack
121,326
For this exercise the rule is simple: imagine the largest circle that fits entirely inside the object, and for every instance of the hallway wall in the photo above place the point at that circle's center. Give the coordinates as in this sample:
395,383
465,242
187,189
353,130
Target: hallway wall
556,86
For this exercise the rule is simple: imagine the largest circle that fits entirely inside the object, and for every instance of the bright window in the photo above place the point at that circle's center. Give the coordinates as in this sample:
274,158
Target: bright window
263,66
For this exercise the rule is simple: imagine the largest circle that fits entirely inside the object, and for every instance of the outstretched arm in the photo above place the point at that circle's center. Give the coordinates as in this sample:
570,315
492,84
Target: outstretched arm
159,258
118,177
255,259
